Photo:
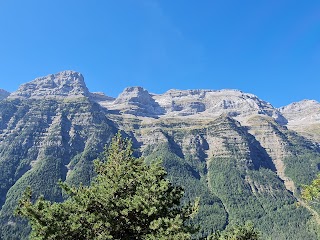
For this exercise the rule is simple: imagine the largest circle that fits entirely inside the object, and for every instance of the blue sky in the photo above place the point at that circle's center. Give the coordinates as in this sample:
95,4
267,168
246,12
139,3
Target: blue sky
270,48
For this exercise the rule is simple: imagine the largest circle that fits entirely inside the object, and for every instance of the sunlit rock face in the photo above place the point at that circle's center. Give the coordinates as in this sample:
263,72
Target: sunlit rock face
306,111
304,117
135,101
66,84
209,103
191,103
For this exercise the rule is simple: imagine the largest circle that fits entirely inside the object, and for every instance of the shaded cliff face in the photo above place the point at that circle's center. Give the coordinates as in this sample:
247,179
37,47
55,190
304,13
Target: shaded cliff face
231,149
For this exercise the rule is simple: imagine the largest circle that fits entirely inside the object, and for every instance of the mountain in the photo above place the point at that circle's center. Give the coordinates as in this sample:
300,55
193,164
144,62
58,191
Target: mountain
304,117
197,103
3,94
49,130
66,84
238,153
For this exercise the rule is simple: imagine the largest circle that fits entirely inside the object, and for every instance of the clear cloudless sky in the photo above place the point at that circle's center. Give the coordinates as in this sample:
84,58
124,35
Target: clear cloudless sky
270,48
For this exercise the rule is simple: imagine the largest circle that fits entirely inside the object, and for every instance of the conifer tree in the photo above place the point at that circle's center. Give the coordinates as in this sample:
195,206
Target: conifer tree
128,199
311,193
237,232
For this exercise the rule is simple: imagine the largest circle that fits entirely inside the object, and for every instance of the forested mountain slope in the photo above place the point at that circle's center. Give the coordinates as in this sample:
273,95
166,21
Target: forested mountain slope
229,148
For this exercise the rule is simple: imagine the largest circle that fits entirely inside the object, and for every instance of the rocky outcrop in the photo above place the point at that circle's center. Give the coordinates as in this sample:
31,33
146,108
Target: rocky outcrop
303,112
135,101
208,103
304,117
273,139
66,84
3,94
192,103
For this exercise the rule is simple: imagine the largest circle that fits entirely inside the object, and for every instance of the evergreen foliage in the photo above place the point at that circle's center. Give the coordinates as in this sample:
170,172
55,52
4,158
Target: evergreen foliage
127,200
312,192
184,172
237,232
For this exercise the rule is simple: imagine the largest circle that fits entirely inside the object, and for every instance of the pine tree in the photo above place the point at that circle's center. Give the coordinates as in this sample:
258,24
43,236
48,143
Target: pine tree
237,232
127,200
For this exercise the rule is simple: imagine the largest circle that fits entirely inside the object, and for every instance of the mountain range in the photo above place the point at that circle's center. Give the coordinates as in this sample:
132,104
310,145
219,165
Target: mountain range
245,159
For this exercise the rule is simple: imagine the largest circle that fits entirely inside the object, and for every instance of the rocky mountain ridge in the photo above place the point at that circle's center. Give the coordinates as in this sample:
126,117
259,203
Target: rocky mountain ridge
3,94
199,103
137,102
191,103
234,150
303,117
303,111
66,84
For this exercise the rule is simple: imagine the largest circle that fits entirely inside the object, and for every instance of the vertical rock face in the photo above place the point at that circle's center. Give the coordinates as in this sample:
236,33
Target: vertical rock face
66,84
273,139
3,94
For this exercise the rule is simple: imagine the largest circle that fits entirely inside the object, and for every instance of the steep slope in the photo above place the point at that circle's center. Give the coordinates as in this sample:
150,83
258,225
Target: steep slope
44,139
3,94
231,149
304,118
241,152
236,169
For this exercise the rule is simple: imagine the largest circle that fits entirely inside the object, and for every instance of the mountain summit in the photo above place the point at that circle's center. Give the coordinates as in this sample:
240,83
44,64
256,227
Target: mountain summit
304,118
3,94
303,111
66,84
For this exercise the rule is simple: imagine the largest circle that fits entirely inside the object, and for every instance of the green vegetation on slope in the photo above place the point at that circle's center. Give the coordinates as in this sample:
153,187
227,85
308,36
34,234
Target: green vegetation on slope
44,141
211,215
127,200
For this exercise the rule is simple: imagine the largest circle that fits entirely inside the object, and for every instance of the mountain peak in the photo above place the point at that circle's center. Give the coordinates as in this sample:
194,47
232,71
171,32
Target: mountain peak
134,95
3,94
136,101
305,111
303,104
65,84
